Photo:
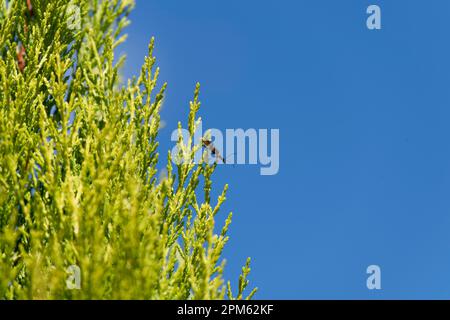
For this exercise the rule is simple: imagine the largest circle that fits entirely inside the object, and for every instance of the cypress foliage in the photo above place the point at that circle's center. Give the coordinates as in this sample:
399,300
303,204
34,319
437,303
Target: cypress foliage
79,181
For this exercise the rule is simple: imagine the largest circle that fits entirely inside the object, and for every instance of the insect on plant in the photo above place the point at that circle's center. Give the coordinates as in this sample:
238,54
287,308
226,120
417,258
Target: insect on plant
210,146
87,209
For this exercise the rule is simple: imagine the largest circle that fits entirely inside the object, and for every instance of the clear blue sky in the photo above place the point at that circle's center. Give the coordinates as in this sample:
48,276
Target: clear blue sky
364,119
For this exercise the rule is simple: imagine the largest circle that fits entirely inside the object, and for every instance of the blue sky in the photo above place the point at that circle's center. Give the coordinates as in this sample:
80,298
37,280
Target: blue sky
364,135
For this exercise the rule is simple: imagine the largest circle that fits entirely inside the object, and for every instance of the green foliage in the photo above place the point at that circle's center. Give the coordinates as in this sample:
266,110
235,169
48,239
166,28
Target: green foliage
79,183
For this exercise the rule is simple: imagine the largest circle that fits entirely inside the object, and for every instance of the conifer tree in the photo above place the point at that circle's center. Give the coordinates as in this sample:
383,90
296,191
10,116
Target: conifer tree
83,214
